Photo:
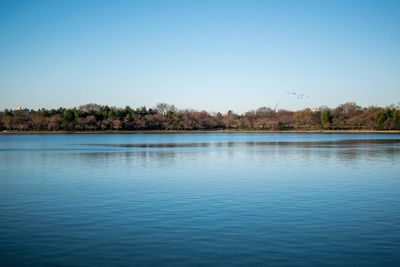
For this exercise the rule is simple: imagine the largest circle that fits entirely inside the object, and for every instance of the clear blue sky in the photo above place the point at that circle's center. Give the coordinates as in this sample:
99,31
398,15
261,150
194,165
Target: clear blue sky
213,55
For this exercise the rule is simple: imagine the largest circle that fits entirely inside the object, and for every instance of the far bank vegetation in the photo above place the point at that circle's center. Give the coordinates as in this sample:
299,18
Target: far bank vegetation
93,117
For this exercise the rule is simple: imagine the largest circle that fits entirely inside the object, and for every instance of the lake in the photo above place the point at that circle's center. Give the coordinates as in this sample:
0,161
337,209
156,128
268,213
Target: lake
225,199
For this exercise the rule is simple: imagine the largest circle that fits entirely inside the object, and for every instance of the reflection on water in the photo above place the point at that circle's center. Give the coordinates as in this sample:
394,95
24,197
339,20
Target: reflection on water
241,199
342,143
341,150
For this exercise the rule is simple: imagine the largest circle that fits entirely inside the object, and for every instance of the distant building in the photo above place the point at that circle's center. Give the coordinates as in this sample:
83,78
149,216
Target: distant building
22,110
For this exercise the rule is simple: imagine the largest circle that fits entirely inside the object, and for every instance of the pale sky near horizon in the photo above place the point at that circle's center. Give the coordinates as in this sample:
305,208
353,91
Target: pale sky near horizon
212,55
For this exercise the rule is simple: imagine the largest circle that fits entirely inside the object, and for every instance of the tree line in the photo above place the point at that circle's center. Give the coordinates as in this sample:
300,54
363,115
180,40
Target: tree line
94,117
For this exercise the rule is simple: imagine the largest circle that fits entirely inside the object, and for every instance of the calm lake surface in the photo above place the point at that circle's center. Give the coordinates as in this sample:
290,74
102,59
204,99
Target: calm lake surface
200,199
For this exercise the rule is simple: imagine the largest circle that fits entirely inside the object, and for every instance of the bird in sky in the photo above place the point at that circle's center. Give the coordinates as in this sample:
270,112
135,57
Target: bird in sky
296,94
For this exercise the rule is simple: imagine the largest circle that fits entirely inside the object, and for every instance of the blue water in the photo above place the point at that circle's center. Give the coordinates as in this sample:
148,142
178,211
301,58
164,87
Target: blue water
200,199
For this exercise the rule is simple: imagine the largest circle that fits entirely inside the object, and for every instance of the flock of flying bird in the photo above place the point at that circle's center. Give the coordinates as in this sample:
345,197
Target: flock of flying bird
297,95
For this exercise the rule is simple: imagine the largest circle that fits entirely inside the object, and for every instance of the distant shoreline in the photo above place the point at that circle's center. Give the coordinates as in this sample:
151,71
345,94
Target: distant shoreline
165,118
13,132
